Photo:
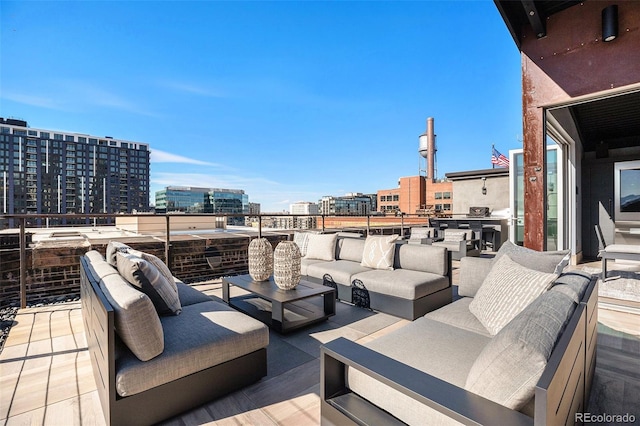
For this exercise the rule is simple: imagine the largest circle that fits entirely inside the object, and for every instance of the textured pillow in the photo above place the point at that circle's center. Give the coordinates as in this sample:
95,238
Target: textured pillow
543,261
508,288
322,246
112,248
454,235
379,252
302,241
508,368
146,277
136,320
155,261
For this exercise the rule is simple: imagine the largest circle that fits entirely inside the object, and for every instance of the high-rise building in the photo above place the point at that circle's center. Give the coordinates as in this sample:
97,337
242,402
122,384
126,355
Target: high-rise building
203,200
50,171
303,207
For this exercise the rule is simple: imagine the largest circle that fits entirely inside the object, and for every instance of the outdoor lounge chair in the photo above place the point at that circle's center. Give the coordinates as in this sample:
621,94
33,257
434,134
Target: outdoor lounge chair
615,251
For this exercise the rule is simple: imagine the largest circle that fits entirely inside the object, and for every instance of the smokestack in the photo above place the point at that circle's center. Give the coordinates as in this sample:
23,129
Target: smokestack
428,148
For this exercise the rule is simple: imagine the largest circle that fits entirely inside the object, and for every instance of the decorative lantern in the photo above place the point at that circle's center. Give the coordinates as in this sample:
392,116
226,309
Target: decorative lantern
260,259
286,265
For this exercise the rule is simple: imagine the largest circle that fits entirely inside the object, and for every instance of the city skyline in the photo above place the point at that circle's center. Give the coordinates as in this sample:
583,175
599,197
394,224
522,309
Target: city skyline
288,101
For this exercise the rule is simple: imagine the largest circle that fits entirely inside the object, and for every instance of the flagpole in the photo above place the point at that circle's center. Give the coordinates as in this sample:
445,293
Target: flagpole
493,147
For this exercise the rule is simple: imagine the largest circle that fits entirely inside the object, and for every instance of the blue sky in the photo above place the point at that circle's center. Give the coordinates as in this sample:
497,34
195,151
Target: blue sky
289,101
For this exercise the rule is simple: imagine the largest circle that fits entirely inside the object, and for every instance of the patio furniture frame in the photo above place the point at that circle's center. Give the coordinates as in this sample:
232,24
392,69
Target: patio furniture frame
615,252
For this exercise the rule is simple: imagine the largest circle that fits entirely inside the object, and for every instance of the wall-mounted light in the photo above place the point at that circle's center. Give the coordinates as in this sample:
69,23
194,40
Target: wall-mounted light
484,186
610,22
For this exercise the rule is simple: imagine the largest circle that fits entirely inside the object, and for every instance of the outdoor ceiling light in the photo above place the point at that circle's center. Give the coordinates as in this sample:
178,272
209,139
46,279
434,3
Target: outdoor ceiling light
610,22
484,186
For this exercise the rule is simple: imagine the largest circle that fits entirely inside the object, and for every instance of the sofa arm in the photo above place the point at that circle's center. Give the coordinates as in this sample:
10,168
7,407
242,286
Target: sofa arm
339,405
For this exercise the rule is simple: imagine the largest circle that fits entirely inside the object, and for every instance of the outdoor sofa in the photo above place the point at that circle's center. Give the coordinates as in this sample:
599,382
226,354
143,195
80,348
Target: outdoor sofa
149,367
450,367
379,272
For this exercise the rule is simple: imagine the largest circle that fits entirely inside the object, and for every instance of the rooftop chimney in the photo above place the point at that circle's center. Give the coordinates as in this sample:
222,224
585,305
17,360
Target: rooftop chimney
427,148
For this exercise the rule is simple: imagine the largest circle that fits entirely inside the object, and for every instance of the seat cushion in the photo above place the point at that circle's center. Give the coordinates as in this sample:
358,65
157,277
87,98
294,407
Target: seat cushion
509,367
449,245
507,290
340,271
304,264
458,315
379,252
438,349
402,283
189,295
204,335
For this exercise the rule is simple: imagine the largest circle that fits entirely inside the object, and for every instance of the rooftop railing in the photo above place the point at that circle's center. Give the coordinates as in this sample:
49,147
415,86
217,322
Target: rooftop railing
213,257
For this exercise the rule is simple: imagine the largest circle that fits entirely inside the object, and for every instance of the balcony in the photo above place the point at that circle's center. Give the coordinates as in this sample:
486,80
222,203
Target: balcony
46,375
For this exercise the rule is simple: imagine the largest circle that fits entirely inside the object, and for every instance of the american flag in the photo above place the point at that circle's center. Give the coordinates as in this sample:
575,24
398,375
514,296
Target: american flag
499,159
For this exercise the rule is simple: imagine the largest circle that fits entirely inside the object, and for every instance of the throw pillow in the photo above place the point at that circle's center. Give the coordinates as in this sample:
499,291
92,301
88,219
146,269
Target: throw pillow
419,233
322,246
302,241
543,261
508,288
155,261
454,235
509,367
379,252
112,248
146,277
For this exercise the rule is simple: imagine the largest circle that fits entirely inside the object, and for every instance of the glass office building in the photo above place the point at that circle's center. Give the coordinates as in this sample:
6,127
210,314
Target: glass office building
203,200
355,204
50,171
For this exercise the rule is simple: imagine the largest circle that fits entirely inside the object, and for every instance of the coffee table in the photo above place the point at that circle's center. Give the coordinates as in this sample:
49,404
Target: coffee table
282,310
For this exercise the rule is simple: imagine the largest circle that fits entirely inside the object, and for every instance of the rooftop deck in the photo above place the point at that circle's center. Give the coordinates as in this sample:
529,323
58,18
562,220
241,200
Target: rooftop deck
46,376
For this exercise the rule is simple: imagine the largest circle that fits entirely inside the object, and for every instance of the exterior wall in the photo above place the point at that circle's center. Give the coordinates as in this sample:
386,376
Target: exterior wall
469,194
304,208
412,194
389,200
570,62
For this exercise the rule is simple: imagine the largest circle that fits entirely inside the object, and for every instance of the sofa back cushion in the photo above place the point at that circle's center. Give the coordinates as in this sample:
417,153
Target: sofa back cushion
509,367
350,249
422,257
379,251
543,261
136,320
473,271
455,235
146,277
506,291
322,247
419,233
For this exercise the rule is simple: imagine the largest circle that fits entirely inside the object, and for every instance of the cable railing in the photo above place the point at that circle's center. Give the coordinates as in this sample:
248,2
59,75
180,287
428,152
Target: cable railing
166,234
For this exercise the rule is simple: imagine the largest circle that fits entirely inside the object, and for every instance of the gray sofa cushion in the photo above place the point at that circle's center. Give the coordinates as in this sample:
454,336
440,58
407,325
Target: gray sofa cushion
402,283
507,290
449,245
112,248
136,319
458,315
189,295
340,271
379,252
473,271
544,261
302,240
509,367
322,246
573,283
435,348
145,276
414,257
455,235
350,249
204,335
304,264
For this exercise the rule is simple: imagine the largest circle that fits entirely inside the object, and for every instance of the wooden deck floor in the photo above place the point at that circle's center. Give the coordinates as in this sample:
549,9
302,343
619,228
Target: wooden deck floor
46,376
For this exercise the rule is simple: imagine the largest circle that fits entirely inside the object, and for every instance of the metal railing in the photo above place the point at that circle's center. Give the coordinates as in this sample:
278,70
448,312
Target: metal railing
362,224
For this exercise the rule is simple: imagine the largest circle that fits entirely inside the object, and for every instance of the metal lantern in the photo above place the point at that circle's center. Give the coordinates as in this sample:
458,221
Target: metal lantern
286,265
260,259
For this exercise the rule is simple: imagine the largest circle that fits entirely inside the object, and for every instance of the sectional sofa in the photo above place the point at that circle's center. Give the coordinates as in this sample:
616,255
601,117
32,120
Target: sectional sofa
379,272
159,347
517,348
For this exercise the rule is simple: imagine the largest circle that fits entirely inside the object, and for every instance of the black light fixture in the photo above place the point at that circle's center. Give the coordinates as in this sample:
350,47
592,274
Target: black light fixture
610,22
484,186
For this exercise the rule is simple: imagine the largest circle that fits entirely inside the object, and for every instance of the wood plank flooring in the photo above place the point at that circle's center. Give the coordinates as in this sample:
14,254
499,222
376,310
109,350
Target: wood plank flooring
46,378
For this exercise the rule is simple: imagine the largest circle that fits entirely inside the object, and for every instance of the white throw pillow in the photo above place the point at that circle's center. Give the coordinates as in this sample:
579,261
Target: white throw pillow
379,252
508,288
322,246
